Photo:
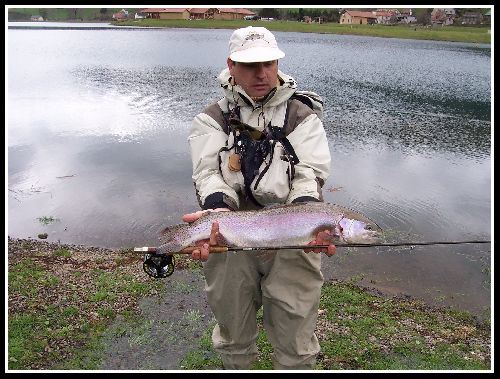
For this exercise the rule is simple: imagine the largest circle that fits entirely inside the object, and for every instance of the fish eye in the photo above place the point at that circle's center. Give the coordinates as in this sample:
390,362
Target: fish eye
368,227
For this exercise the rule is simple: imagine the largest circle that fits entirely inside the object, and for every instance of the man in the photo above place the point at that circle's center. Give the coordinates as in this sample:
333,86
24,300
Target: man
225,140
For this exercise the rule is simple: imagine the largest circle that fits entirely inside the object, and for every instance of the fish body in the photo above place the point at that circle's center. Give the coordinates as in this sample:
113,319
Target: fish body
275,226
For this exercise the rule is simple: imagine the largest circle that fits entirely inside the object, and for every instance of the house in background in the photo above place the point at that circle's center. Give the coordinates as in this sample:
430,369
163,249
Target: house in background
472,18
487,17
406,17
122,15
350,17
443,16
379,16
36,18
166,13
202,13
232,13
197,13
385,17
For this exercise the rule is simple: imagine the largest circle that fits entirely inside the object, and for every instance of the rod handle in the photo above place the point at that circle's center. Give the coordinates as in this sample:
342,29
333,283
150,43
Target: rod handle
187,250
211,249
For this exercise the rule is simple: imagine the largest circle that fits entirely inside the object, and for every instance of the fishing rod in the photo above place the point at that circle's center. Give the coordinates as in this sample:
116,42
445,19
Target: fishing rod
160,265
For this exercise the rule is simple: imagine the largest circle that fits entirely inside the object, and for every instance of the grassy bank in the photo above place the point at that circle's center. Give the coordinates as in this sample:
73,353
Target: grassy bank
360,330
448,33
63,298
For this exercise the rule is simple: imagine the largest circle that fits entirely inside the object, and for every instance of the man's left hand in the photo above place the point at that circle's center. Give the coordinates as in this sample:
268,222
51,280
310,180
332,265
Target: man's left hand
323,238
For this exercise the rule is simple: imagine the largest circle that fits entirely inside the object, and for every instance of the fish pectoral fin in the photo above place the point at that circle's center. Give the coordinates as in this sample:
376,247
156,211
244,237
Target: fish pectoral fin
325,233
221,240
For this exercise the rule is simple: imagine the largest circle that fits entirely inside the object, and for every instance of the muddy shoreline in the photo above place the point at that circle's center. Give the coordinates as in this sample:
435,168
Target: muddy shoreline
168,320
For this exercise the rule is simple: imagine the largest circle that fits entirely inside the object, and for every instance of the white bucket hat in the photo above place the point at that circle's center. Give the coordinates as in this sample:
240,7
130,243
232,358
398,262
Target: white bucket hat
253,44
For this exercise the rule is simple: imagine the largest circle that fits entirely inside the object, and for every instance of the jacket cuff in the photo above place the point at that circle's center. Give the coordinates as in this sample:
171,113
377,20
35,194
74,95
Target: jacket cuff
217,200
302,199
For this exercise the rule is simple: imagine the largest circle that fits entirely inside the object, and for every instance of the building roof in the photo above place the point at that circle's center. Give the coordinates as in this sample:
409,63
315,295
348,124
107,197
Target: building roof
236,10
197,10
361,14
384,13
164,10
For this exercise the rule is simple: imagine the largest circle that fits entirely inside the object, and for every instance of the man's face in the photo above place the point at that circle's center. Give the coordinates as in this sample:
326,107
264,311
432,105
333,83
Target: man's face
257,79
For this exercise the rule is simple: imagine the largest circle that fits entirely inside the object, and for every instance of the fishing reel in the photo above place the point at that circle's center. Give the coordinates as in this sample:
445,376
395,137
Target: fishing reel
158,266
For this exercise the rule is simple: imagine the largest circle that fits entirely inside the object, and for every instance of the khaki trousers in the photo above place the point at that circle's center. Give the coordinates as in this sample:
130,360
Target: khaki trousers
287,284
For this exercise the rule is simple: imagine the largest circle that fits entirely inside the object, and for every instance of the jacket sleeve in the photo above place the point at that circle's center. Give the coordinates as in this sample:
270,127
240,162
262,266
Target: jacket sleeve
311,146
206,138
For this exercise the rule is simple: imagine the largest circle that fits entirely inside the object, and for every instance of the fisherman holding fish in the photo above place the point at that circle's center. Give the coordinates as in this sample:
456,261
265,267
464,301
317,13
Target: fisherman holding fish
262,144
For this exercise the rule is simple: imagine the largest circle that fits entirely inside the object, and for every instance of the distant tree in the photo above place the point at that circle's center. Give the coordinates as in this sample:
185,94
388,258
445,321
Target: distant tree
289,13
301,15
270,13
460,11
43,12
297,14
103,12
15,15
74,13
283,13
313,12
423,15
330,14
326,14
336,14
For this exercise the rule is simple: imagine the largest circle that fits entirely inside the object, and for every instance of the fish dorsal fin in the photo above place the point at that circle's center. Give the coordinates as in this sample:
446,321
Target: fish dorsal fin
290,205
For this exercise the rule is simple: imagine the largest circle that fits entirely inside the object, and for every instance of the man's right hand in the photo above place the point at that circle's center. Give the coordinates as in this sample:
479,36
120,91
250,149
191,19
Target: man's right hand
201,254
192,217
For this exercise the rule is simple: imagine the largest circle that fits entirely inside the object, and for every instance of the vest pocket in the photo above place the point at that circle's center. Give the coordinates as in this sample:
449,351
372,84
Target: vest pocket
274,180
230,166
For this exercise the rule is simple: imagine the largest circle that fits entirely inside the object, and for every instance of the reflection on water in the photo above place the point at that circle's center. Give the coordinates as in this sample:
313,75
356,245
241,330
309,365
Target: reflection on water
98,121
152,91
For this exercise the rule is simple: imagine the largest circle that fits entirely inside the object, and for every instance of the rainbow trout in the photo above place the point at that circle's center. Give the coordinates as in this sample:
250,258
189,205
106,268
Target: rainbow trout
291,224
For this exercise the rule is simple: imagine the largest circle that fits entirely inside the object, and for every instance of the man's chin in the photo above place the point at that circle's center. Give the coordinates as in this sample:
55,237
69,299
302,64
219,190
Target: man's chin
260,92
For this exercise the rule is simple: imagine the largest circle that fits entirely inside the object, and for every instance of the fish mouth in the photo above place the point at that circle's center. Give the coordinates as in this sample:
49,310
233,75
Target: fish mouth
368,237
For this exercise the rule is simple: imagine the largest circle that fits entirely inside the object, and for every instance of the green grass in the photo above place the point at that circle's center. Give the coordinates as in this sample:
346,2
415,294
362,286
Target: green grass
62,252
46,220
265,348
447,33
204,357
60,324
372,333
56,327
362,331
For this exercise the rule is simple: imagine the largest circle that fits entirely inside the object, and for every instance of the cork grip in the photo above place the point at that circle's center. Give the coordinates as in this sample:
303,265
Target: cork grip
211,249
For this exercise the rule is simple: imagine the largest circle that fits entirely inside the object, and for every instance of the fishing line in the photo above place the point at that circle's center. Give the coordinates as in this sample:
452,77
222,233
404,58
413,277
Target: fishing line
384,244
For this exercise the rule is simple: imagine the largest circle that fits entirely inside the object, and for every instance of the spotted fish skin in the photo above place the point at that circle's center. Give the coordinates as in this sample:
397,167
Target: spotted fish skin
275,226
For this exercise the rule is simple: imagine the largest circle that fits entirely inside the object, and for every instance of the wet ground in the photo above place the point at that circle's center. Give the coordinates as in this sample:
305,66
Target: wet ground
170,326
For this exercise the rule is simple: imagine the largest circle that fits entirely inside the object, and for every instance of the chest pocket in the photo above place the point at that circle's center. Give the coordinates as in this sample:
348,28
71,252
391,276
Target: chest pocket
273,181
260,165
